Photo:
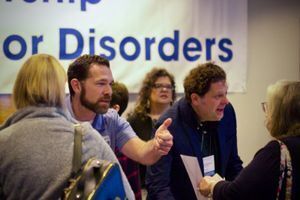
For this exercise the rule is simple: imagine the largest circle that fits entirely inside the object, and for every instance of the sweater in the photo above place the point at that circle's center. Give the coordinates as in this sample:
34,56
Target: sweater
36,151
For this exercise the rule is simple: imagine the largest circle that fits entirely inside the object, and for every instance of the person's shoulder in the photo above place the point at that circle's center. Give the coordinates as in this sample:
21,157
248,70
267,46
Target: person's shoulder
114,122
272,144
178,106
86,126
293,139
172,113
133,116
111,114
229,117
229,110
138,118
89,133
271,148
292,142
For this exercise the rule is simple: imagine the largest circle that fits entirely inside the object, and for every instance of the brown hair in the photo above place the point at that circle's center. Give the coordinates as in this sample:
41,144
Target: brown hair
119,96
201,77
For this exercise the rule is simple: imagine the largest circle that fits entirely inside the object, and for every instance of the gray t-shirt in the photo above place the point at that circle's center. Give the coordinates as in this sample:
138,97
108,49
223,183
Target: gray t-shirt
115,130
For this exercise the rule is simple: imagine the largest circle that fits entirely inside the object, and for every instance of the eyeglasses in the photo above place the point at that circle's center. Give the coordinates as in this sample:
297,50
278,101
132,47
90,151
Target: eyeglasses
264,106
162,86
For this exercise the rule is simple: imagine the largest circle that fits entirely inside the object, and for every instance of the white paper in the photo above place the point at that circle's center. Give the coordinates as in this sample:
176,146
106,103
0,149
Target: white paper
193,169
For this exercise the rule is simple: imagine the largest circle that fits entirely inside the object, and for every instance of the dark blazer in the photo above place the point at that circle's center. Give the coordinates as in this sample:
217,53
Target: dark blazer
168,179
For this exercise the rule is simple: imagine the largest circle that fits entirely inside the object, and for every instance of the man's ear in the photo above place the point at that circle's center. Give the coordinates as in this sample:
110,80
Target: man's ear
76,86
195,99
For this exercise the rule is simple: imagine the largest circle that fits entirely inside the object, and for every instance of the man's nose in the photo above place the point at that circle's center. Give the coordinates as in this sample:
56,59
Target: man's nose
225,100
108,89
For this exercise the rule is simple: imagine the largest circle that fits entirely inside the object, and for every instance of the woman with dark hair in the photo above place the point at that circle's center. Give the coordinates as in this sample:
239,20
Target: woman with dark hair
156,95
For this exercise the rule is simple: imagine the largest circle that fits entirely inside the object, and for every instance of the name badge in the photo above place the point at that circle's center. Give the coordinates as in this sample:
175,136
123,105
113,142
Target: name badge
209,165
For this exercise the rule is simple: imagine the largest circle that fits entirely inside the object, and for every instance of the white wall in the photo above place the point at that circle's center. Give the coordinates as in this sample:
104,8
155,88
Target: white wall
273,54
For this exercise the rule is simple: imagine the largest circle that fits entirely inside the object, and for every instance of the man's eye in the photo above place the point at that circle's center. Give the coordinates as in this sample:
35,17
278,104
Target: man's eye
219,96
101,84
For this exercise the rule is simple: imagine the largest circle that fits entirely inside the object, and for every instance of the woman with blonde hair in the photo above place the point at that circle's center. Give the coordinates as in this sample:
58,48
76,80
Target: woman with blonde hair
156,95
274,173
36,142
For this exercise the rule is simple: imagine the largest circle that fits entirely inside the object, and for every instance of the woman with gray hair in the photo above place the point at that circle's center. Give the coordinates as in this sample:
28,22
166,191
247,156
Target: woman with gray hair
274,173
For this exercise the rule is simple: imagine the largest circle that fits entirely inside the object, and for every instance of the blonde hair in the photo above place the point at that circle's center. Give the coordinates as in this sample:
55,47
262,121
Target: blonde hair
41,80
283,101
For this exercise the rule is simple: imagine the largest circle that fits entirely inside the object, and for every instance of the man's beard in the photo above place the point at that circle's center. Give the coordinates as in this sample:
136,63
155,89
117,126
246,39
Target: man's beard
95,107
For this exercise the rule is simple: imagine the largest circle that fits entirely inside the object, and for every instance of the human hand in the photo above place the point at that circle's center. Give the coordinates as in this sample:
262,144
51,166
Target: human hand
163,140
207,184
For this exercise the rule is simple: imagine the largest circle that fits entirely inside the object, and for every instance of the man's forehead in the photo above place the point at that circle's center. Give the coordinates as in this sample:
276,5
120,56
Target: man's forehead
95,66
98,69
219,85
